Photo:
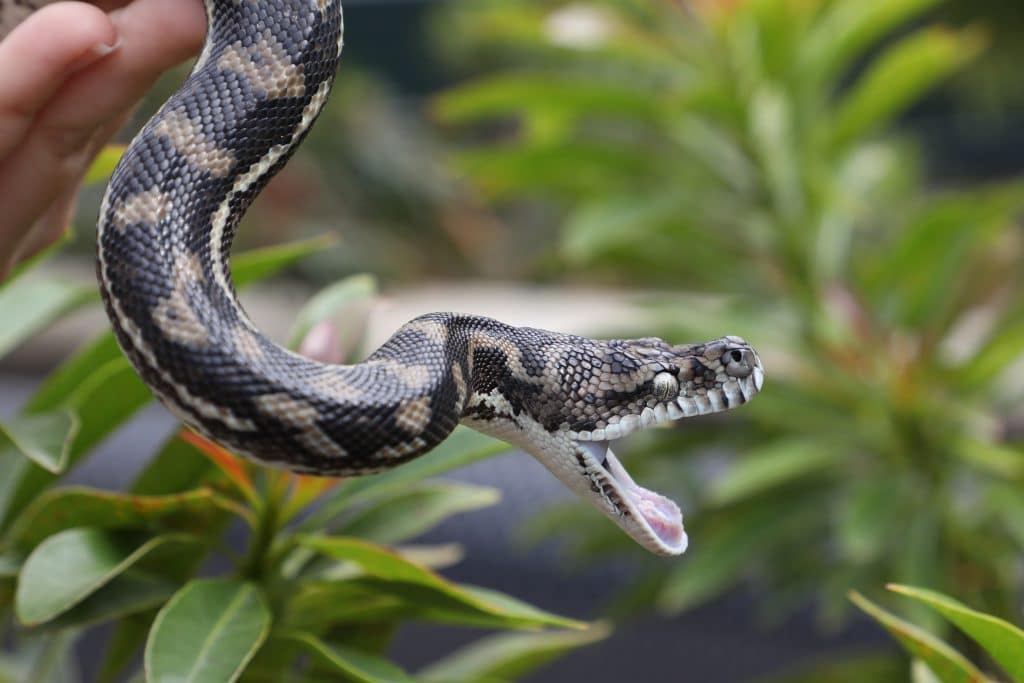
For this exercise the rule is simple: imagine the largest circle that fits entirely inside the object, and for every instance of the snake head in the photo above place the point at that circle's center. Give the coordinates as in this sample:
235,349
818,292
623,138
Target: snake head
601,391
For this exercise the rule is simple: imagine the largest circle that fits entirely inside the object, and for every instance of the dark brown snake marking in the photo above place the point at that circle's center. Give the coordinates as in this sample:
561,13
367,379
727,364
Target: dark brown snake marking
164,242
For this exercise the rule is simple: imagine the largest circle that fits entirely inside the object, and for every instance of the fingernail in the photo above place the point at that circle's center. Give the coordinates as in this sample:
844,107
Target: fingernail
103,49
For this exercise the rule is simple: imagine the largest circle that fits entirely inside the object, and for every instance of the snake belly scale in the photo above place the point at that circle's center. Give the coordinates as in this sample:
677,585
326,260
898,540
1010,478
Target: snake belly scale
164,241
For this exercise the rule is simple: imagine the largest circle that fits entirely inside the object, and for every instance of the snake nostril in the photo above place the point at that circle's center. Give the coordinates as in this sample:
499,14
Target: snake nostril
736,355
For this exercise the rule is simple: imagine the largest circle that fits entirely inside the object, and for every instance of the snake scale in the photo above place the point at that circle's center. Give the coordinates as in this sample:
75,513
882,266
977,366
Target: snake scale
164,239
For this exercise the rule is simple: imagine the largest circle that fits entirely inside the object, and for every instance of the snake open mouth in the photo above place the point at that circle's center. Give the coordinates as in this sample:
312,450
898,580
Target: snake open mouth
658,520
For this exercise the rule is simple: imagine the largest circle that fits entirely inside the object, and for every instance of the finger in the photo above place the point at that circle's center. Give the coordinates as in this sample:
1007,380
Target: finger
40,55
57,219
155,35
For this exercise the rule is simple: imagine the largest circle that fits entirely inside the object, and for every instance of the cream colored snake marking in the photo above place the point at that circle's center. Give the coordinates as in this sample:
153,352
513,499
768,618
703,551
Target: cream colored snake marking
164,242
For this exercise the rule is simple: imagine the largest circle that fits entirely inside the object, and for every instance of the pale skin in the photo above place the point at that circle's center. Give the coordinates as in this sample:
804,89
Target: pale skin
70,75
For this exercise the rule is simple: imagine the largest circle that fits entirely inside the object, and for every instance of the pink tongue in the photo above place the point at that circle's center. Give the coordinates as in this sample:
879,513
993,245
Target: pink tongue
660,513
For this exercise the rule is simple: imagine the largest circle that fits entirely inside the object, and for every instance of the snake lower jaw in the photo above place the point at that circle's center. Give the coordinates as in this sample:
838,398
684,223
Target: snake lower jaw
651,519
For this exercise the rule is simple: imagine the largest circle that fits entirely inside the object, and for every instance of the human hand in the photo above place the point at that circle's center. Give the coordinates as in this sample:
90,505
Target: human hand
69,77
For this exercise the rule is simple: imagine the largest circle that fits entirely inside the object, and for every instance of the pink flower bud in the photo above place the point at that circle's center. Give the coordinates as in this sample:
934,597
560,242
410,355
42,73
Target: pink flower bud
322,343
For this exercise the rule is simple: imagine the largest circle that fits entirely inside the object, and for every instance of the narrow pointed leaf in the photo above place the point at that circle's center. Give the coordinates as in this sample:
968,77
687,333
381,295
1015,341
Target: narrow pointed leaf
1003,641
509,656
462,448
351,663
945,662
382,563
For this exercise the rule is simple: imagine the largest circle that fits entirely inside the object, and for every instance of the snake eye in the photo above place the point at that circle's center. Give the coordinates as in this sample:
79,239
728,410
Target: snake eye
665,386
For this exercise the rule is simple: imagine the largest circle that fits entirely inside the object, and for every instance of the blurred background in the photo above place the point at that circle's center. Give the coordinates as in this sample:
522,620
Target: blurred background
837,181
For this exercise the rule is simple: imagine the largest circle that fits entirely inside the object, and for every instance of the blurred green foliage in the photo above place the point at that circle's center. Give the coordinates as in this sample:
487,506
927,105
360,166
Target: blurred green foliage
745,151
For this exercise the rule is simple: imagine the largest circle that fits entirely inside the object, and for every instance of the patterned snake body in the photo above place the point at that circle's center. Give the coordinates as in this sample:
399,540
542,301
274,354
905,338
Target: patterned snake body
164,241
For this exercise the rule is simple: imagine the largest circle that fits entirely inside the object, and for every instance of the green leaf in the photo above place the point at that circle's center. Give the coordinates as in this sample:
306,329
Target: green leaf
899,77
773,465
462,448
60,509
45,439
410,513
30,304
67,568
104,401
128,594
330,301
384,564
126,641
351,663
509,656
59,385
945,662
208,632
848,27
1003,641
260,264
103,165
178,466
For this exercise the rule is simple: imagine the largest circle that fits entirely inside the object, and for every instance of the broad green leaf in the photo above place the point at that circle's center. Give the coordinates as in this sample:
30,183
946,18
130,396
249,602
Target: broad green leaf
45,439
945,662
126,595
104,401
207,633
353,664
773,465
67,568
382,563
899,77
1003,641
59,509
462,448
30,304
330,301
509,656
103,165
408,514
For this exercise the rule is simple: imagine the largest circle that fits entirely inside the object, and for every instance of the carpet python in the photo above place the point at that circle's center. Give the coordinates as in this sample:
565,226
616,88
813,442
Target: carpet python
164,240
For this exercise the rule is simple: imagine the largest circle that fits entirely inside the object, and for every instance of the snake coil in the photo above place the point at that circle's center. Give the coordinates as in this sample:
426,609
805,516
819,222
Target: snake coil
164,241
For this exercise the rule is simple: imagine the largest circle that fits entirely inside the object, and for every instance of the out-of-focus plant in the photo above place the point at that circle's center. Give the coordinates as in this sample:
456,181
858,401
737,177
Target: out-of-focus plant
218,570
745,150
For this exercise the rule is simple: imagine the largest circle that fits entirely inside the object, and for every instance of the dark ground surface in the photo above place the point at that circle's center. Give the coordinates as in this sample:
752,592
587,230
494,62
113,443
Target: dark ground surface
719,642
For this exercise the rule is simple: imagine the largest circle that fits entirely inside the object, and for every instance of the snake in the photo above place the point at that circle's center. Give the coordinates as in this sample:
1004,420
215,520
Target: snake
164,235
